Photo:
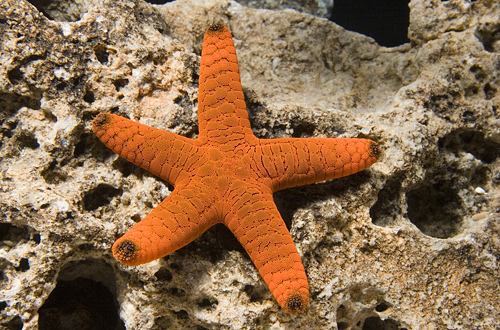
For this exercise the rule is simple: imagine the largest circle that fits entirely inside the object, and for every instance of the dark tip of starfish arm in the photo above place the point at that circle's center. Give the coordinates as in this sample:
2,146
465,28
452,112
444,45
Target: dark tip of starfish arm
295,304
100,120
125,251
216,27
374,150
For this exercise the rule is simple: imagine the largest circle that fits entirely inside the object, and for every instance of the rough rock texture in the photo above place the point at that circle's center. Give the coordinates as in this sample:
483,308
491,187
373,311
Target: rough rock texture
411,243
320,8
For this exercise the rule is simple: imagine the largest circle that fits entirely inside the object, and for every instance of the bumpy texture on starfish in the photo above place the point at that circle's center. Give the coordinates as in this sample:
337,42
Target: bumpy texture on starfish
227,175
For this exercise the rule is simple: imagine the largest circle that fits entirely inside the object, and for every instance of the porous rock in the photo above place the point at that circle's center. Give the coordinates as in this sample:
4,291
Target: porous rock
320,8
411,243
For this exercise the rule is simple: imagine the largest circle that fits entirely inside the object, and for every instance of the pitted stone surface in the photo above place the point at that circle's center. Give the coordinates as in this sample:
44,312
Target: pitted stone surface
410,243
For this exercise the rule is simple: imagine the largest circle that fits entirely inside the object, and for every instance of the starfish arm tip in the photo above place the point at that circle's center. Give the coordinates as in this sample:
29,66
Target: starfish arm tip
295,303
126,252
99,121
374,150
216,27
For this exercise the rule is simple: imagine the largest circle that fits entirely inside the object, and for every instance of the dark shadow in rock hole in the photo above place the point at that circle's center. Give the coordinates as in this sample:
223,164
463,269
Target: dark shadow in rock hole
158,2
376,323
99,196
16,323
388,204
15,234
436,210
472,142
12,102
61,11
84,298
489,35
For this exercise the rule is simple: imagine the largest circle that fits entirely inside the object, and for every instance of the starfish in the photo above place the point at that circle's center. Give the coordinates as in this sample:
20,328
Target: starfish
227,175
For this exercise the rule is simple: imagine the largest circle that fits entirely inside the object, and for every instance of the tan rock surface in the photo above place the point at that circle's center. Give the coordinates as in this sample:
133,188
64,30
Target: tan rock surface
411,243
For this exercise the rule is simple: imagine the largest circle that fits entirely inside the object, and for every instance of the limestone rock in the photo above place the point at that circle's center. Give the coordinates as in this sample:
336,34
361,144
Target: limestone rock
411,243
320,8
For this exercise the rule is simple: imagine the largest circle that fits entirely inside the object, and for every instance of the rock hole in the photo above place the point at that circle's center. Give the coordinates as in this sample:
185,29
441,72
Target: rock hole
489,91
89,115
16,323
182,314
27,140
158,2
61,86
382,306
120,83
207,303
472,142
176,292
84,299
136,218
342,325
82,145
478,72
388,205
24,265
11,103
89,97
442,105
483,149
183,100
302,129
62,11
124,166
51,175
99,196
163,274
8,129
15,76
36,238
78,304
102,54
85,247
436,210
375,323
468,116
489,35
163,322
471,91
255,293
11,235
385,21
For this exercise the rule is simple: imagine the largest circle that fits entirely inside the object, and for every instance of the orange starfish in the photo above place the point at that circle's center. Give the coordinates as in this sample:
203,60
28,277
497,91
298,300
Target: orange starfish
227,175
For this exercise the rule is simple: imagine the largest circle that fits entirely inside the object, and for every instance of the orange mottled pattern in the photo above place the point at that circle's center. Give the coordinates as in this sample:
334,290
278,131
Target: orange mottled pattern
227,175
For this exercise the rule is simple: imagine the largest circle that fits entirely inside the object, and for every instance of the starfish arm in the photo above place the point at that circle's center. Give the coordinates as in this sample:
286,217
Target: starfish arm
179,219
160,152
255,221
222,113
298,161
